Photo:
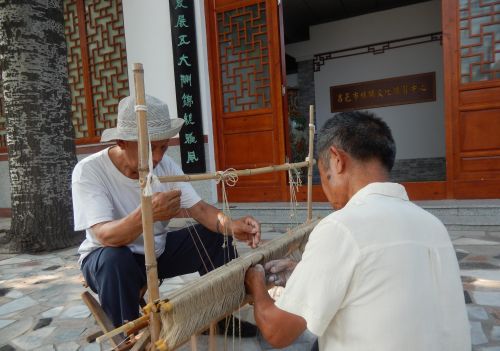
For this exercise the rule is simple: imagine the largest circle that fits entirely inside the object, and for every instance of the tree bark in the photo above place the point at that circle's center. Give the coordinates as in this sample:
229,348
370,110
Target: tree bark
40,135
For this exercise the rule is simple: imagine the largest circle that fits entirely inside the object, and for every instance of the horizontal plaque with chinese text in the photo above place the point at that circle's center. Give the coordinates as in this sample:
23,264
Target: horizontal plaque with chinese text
384,92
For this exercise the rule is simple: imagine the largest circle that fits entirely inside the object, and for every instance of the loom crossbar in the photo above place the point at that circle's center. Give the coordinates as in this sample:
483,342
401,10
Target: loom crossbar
241,172
221,291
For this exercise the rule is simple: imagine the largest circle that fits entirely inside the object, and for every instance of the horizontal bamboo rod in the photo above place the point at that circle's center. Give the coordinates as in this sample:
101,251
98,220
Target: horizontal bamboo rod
243,172
123,329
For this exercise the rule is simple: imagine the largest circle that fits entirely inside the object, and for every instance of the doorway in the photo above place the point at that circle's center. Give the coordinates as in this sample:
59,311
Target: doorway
355,49
245,76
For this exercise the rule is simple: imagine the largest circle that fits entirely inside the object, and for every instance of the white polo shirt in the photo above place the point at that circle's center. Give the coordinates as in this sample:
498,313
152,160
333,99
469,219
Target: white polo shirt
380,274
102,193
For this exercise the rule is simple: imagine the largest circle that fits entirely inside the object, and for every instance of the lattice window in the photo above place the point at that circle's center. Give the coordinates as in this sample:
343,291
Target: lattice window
244,58
479,40
97,64
75,68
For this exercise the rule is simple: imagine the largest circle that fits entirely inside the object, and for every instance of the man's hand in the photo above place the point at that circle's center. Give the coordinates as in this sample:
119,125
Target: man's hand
278,327
255,280
246,229
166,205
278,271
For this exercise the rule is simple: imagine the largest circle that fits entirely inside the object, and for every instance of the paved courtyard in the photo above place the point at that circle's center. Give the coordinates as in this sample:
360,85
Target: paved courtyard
41,309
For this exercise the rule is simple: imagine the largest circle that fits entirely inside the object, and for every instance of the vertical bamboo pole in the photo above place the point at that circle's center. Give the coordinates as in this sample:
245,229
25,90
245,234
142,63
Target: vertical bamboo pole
311,163
146,203
212,342
194,343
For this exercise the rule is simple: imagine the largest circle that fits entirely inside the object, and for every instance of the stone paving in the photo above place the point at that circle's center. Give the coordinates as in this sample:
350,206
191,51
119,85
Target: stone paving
41,309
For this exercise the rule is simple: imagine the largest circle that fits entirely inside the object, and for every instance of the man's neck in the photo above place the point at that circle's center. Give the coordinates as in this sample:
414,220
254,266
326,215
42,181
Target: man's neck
366,173
117,157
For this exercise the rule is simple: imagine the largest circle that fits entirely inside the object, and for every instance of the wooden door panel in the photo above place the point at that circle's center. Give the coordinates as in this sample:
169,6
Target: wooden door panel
247,110
480,164
476,97
475,127
471,46
253,193
248,123
249,149
476,189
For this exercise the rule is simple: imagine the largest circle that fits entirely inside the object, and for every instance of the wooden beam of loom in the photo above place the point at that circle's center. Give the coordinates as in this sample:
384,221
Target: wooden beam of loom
146,199
221,291
240,172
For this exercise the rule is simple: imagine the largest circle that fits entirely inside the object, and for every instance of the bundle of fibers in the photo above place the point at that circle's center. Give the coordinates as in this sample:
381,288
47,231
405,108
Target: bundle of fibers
222,291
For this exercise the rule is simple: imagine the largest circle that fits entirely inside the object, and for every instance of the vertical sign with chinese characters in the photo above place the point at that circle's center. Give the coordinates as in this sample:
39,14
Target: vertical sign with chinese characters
187,86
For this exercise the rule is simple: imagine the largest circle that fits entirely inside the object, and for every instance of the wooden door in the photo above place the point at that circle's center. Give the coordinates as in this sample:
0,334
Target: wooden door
246,90
471,49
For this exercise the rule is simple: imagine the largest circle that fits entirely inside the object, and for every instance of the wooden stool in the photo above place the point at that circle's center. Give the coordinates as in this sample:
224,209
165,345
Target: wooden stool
117,341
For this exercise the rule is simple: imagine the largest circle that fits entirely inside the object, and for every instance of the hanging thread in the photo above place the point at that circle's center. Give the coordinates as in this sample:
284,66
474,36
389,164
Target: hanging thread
151,178
294,181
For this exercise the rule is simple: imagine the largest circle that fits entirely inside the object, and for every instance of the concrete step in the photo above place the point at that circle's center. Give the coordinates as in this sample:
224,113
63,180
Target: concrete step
465,212
455,214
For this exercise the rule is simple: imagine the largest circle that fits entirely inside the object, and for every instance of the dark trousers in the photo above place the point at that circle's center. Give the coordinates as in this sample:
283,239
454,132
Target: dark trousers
117,275
315,346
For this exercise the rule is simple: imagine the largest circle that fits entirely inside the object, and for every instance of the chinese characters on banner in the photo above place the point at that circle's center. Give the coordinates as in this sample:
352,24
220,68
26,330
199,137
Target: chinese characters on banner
187,86
384,92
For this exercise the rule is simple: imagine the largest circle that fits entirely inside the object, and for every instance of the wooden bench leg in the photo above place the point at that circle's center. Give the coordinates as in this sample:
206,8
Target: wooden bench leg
101,318
212,341
194,343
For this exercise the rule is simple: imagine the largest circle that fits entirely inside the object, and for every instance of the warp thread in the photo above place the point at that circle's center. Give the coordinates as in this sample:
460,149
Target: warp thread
221,291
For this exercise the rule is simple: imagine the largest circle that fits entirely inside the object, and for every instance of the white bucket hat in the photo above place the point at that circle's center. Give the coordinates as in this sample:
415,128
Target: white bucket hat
160,125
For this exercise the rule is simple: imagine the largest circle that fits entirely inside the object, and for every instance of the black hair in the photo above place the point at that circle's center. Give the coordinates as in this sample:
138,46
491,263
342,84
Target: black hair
361,134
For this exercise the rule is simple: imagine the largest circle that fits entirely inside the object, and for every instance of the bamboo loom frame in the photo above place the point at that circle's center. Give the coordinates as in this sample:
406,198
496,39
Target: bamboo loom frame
146,202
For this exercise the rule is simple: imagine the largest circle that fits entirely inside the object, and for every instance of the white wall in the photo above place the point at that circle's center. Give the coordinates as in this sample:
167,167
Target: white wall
149,41
418,128
371,28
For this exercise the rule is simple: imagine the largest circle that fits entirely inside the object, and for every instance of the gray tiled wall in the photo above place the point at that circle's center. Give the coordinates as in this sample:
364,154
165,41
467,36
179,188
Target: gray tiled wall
419,169
305,80
409,170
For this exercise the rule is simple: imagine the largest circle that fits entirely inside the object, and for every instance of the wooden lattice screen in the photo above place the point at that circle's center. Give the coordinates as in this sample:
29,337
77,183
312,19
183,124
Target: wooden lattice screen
97,64
479,40
243,47
97,67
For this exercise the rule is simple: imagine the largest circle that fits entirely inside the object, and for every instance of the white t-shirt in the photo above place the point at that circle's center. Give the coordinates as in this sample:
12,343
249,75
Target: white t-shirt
380,274
102,193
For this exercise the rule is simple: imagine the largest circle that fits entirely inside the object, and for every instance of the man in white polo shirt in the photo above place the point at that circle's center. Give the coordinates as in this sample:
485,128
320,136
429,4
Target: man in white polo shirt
379,273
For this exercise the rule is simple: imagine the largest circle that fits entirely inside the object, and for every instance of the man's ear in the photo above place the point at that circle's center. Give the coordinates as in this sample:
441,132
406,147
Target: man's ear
337,160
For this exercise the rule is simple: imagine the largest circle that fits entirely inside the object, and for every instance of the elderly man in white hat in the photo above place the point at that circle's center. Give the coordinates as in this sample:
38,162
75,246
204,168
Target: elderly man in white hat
106,201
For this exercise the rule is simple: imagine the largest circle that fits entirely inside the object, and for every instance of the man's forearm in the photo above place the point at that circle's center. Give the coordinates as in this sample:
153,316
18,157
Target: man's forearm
279,328
208,216
120,232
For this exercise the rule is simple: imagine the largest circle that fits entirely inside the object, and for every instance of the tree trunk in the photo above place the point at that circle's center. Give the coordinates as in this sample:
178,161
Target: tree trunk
40,135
